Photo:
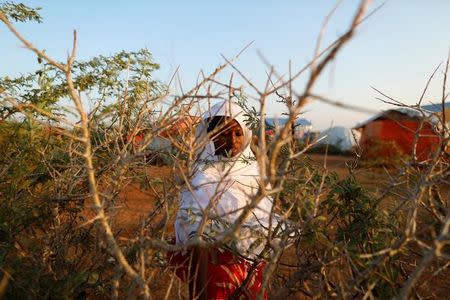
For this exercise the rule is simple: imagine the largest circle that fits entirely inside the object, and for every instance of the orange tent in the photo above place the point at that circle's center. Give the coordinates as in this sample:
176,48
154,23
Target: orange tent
181,126
399,132
172,136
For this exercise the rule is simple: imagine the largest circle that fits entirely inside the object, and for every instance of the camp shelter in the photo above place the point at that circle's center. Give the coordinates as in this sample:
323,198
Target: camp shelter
301,126
440,110
393,132
340,137
174,137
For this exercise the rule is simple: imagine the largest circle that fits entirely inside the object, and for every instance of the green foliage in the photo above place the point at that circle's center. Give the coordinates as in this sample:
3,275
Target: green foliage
344,221
362,224
41,242
250,113
41,195
300,187
19,12
363,227
42,187
102,79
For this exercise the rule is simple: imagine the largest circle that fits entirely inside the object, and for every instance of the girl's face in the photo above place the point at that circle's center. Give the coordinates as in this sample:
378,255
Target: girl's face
229,140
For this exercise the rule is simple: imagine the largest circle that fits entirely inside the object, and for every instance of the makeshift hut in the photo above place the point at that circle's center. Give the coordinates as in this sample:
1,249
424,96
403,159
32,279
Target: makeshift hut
341,138
175,136
393,133
170,139
442,111
301,126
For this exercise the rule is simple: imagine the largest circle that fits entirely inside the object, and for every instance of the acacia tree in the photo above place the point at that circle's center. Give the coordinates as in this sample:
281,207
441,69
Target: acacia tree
43,184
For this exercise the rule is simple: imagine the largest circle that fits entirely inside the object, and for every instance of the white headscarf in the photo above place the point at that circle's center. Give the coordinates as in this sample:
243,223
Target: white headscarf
230,183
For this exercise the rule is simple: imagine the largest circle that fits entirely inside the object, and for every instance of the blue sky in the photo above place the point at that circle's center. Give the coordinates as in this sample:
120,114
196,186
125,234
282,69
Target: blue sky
395,50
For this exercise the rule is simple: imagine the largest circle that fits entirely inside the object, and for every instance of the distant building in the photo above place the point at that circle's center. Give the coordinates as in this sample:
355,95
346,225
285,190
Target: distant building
173,137
393,132
437,109
302,127
341,138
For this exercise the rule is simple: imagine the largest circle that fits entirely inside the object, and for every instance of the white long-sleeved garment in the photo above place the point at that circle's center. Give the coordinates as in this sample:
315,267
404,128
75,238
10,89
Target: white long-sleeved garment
226,185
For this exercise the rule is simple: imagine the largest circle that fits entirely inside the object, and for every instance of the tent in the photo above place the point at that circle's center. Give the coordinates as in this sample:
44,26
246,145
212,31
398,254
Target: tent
301,126
392,133
340,137
173,137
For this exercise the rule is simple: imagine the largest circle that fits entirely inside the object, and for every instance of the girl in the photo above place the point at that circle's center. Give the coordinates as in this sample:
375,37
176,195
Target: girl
224,182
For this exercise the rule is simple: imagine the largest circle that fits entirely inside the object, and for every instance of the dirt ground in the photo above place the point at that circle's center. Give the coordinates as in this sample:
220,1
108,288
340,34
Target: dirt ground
135,204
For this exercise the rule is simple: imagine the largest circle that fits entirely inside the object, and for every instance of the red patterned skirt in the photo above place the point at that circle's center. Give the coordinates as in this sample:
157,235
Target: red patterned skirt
225,273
